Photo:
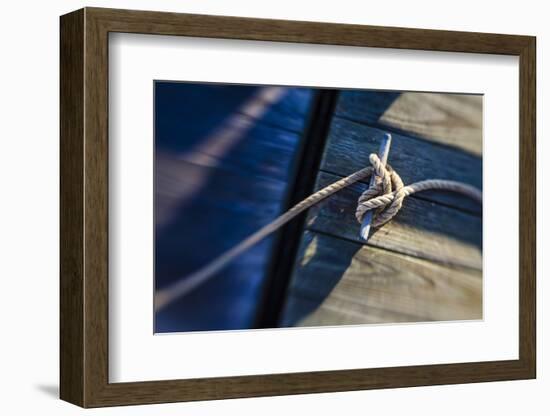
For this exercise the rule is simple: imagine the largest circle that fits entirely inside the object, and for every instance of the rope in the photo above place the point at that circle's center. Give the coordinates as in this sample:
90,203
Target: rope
385,196
388,192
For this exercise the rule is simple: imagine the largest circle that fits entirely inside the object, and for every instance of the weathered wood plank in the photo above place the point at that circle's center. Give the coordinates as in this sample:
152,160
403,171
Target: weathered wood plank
289,111
426,263
451,119
209,104
341,282
350,144
180,186
224,158
423,229
258,150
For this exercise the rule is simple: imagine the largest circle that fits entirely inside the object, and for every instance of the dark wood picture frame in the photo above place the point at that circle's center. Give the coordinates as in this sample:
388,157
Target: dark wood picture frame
84,207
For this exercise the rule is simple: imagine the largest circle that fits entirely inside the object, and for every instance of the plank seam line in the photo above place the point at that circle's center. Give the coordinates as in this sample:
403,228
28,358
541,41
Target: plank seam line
420,198
454,266
405,133
385,197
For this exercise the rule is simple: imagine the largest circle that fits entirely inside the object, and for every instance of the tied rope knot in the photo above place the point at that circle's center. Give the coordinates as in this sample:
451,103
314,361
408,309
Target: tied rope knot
387,193
385,196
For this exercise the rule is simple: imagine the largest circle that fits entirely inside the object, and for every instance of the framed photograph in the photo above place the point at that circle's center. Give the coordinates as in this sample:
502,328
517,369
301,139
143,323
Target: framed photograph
263,207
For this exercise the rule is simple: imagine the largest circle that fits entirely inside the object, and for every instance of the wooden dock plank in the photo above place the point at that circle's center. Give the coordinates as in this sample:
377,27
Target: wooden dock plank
342,282
350,144
426,264
259,163
423,229
224,159
289,110
451,119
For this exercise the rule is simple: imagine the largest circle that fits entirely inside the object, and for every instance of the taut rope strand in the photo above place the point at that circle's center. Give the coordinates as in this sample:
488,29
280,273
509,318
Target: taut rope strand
385,196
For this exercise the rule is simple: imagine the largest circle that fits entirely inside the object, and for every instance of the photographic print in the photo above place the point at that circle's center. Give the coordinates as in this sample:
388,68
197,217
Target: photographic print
399,242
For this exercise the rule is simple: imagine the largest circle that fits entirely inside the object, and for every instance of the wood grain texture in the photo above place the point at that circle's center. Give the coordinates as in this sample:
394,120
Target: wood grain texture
439,227
350,144
451,119
290,113
422,229
220,175
71,328
286,240
96,212
84,283
528,209
351,283
226,27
